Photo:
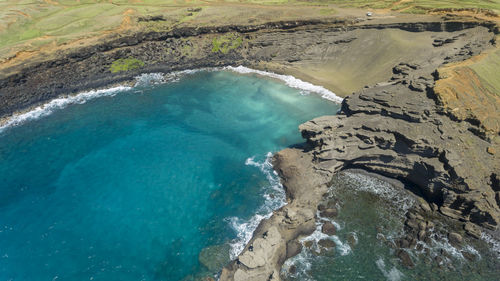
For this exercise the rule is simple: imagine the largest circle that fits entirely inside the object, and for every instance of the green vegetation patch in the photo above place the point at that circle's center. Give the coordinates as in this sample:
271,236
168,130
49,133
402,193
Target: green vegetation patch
226,43
487,70
126,65
186,50
327,11
421,6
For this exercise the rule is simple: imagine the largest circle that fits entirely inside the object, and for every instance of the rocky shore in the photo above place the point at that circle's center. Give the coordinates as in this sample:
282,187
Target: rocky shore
395,128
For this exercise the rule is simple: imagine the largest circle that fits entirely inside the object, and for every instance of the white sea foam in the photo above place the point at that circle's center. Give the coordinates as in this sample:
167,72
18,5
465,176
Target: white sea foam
148,79
304,260
338,226
274,198
441,242
289,81
244,231
176,76
384,190
494,243
59,103
392,275
341,247
302,263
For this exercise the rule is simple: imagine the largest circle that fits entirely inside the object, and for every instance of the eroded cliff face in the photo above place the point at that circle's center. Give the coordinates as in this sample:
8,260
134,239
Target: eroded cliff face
336,44
399,130
396,129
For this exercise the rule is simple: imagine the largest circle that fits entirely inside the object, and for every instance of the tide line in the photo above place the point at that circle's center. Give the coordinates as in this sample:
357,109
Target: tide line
289,81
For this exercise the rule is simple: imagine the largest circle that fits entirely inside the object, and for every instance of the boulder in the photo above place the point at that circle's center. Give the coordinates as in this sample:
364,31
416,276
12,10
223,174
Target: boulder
328,228
473,230
326,243
352,240
455,239
405,258
329,213
308,244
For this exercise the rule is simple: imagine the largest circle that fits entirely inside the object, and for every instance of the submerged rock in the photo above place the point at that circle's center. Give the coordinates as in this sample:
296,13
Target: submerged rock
405,258
308,244
352,240
215,257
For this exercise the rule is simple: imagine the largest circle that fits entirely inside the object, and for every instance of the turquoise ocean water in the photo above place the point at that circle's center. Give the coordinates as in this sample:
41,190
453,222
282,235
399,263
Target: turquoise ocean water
167,182
134,186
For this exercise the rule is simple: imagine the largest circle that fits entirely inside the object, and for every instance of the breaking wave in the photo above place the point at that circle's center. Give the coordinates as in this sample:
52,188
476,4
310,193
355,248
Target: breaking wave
392,274
383,189
59,103
151,79
289,81
275,198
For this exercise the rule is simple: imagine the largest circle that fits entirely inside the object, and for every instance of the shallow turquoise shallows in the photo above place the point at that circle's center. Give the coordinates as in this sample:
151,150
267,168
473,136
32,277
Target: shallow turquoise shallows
134,186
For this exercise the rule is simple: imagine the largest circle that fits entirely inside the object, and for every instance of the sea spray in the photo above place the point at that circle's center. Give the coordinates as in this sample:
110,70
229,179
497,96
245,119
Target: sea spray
150,79
59,103
400,198
494,243
341,247
393,274
289,81
274,196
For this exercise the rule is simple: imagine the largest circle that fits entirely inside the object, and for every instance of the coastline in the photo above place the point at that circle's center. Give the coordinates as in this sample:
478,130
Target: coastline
148,79
306,172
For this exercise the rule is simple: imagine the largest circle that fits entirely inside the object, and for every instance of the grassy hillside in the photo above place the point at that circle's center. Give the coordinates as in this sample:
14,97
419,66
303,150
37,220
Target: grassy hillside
28,25
421,6
488,69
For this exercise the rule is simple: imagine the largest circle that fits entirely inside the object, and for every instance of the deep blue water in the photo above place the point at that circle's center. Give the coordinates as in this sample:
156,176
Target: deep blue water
134,186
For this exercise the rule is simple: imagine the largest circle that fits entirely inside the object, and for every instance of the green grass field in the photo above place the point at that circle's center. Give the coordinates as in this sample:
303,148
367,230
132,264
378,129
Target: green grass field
426,5
28,25
488,69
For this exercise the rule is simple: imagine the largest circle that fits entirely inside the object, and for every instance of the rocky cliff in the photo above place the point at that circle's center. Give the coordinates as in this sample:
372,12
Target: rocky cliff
397,129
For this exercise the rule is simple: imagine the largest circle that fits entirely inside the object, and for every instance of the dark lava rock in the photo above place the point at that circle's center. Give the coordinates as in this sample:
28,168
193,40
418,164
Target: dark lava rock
352,240
469,256
328,228
405,258
403,243
455,239
329,213
327,243
308,244
439,260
